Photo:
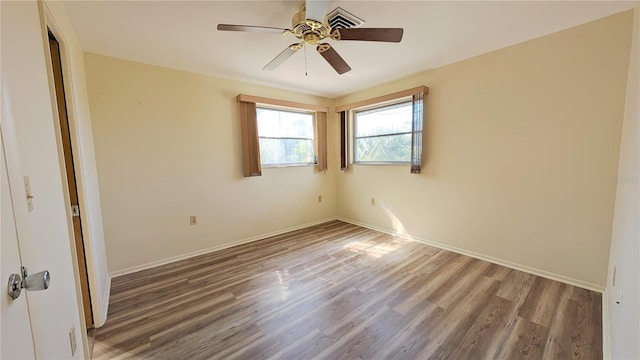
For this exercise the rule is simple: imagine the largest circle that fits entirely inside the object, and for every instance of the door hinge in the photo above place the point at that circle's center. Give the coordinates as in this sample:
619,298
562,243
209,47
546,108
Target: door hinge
75,211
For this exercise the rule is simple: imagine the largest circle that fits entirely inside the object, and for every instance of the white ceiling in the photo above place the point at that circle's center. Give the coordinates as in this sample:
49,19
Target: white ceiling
183,35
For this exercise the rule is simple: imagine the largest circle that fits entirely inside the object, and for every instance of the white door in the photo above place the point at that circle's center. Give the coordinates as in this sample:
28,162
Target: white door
29,136
16,341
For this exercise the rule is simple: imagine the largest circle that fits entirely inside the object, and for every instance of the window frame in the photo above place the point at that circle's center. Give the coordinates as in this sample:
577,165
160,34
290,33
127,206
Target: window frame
290,110
353,125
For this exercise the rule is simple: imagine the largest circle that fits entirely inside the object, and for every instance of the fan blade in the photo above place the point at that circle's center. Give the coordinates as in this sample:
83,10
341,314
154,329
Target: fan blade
228,27
333,58
282,57
369,34
317,9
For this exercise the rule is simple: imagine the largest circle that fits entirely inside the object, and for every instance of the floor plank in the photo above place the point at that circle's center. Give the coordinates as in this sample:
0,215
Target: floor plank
339,291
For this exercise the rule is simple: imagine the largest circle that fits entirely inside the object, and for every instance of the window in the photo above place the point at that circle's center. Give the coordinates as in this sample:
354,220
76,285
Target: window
286,137
297,136
382,134
386,129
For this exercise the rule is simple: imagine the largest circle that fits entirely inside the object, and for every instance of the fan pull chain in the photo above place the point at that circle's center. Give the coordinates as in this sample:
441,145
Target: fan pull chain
305,61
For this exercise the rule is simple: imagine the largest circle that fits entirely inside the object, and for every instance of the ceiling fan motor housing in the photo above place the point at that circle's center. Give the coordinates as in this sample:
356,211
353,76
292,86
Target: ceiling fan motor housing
311,31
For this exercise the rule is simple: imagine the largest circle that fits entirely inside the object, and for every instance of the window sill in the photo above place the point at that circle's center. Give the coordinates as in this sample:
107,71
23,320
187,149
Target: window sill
388,163
275,166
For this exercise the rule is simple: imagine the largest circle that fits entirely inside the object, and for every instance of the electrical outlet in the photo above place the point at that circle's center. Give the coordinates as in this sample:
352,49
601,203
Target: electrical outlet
319,198
373,201
72,340
193,220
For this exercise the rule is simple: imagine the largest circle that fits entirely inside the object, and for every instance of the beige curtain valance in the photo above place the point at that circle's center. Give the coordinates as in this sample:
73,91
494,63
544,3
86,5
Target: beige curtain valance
379,99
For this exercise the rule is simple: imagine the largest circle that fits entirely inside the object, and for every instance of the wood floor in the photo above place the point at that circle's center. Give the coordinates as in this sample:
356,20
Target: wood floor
339,291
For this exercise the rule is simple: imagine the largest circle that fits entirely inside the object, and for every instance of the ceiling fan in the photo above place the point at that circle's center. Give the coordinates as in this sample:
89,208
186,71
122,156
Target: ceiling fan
309,25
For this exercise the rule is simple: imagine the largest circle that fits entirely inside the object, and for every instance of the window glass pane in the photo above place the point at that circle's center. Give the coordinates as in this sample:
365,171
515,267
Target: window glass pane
386,148
286,151
385,120
286,137
278,123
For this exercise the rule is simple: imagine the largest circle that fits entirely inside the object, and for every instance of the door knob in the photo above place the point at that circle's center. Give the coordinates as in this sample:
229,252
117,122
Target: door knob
15,286
33,282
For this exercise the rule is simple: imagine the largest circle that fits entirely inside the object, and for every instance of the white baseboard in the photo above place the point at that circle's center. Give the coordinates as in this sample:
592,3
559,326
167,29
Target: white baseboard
502,262
153,264
491,259
606,326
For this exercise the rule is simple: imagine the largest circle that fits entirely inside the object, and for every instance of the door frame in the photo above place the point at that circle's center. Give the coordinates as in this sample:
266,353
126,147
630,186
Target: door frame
65,133
48,23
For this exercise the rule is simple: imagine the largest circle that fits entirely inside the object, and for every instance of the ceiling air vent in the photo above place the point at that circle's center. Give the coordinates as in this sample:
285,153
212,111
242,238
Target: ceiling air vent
341,19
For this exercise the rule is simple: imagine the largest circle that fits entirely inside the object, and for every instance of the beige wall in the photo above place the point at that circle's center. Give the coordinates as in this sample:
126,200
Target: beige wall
521,148
168,146
84,158
624,318
521,145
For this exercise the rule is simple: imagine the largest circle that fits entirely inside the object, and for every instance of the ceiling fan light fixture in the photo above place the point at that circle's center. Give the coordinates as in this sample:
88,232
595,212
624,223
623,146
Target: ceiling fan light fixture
311,38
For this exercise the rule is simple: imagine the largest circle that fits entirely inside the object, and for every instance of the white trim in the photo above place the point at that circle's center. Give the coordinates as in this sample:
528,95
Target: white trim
100,314
99,307
606,326
502,262
48,22
153,264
